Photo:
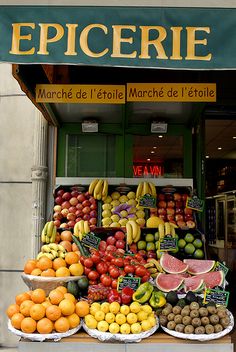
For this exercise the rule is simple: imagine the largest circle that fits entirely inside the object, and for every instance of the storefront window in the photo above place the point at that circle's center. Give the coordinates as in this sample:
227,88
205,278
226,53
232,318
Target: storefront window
90,155
158,156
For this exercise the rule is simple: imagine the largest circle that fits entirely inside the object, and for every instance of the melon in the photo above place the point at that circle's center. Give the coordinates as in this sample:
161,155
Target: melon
212,279
198,266
193,284
172,265
154,221
168,282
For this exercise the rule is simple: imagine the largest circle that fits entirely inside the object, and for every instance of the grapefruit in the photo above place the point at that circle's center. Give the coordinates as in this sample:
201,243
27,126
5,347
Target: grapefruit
193,284
168,282
172,265
212,279
199,266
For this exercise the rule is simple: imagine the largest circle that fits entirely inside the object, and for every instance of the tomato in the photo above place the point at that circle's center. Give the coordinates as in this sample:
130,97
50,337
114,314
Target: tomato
119,235
145,278
108,257
120,244
111,240
101,268
111,248
92,282
114,272
140,271
102,245
95,257
93,275
129,268
87,271
119,262
81,259
106,280
114,283
88,263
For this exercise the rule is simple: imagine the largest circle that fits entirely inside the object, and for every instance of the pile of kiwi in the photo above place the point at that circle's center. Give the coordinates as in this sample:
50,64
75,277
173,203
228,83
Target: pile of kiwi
194,318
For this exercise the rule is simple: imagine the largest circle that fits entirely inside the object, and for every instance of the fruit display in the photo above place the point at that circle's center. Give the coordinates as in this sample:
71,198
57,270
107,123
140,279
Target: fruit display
99,189
190,244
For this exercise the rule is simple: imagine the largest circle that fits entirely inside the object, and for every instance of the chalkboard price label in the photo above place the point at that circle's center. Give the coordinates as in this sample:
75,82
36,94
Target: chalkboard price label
132,282
195,203
221,267
147,201
168,244
91,241
220,298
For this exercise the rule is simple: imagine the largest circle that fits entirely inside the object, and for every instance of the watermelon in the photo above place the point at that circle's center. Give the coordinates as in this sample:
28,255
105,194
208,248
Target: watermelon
193,284
172,265
212,279
168,282
199,266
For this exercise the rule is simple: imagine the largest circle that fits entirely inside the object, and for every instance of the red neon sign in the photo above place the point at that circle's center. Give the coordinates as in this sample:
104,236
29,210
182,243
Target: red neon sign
140,170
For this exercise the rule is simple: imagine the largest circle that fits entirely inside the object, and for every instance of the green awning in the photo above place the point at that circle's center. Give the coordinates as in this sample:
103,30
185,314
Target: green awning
156,37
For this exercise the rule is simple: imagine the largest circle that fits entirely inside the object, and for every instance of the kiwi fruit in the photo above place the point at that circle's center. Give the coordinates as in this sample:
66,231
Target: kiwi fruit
185,311
205,321
180,327
225,321
209,329
163,320
214,319
203,312
170,316
196,322
212,309
176,309
166,311
222,313
171,325
194,313
189,329
194,306
199,330
178,319
187,320
218,328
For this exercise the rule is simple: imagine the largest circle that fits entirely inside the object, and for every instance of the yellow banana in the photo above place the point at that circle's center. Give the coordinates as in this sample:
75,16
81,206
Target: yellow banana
61,248
167,228
54,253
49,255
45,248
139,190
173,225
81,226
53,246
145,188
105,189
134,226
129,237
92,186
54,233
152,189
154,275
98,190
44,233
47,239
152,270
61,254
161,230
50,228
86,227
138,235
149,265
156,263
76,229
40,254
172,231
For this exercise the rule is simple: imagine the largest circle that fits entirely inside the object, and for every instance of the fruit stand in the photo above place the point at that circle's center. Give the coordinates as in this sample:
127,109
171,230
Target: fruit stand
120,267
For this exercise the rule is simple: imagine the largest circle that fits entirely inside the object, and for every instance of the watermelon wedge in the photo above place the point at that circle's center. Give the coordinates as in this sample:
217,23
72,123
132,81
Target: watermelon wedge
168,282
212,279
193,283
172,265
198,266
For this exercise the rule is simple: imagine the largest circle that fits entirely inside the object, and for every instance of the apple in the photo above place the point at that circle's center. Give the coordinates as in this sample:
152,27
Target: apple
78,219
119,235
79,213
120,251
57,208
60,192
170,204
191,224
170,211
72,210
93,221
57,216
142,252
92,200
87,195
162,204
188,211
73,201
179,204
184,197
188,217
179,211
93,213
65,205
74,193
169,197
86,217
133,248
86,210
79,206
161,196
161,211
181,223
170,217
177,196
71,216
71,223
120,244
59,200
86,203
66,196
111,240
57,222
64,212
93,206
81,197
151,254
179,217
64,225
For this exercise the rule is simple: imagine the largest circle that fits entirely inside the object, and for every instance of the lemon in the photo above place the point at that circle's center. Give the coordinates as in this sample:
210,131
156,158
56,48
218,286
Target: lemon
124,309
114,328
147,308
123,222
131,195
123,213
105,307
140,214
115,195
136,328
106,206
115,203
146,325
115,224
132,318
106,221
141,315
125,328
94,307
135,307
108,199
123,199
110,318
99,315
106,213
90,321
132,202
120,318
152,321
114,307
115,218
103,326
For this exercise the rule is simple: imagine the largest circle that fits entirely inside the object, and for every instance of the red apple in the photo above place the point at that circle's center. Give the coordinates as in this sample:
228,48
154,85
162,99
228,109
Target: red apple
65,205
188,217
93,213
119,235
191,224
161,211
86,210
162,216
179,211
66,196
161,196
93,221
92,200
171,204
72,209
179,204
111,240
177,196
79,213
170,217
86,217
79,206
184,197
74,193
64,225
59,200
57,222
93,206
60,192
71,223
57,208
179,217
120,251
73,201
120,244
188,211
86,203
71,216
78,219
64,212
81,197
181,223
57,216
169,197
170,211
87,195
162,204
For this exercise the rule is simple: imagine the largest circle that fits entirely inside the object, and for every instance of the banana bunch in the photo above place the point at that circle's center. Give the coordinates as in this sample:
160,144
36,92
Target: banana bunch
145,188
81,228
49,232
154,267
99,189
133,232
166,229
52,251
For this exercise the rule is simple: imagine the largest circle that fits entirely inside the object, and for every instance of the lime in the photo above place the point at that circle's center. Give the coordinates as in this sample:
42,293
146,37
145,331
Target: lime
197,243
198,254
149,237
83,283
189,248
156,236
181,243
150,246
189,237
142,244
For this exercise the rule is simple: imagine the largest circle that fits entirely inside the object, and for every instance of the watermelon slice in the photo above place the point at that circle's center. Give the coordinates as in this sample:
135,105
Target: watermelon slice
172,265
198,266
193,283
213,278
168,282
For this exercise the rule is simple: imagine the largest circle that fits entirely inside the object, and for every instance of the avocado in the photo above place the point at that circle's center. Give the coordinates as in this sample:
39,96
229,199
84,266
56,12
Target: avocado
181,303
172,298
190,297
73,288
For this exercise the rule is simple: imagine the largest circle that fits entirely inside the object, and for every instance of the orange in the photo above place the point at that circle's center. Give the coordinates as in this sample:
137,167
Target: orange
22,297
55,296
62,324
36,272
58,238
74,320
63,289
70,296
66,245
48,272
44,263
38,295
74,247
76,269
37,311
25,307
66,235
71,258
82,308
62,272
53,312
28,325
67,307
46,304
58,263
16,320
30,265
12,309
44,326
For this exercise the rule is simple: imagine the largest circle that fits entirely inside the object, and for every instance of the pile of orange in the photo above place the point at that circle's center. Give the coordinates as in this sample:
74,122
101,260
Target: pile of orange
33,312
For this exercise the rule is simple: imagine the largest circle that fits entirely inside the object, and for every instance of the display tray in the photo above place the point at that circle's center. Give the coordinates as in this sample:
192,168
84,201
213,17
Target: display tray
56,336
202,337
108,337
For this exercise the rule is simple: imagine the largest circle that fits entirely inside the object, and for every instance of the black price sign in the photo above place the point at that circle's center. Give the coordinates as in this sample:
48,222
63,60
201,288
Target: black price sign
132,282
220,298
147,201
168,244
221,267
90,240
195,203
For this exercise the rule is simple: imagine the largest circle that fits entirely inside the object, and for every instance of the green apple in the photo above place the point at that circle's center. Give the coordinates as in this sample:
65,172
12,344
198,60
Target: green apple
149,237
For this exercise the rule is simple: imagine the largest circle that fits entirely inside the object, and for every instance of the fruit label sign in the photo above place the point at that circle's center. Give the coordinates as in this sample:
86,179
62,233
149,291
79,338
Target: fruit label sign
168,244
220,298
195,203
132,282
221,267
90,240
147,201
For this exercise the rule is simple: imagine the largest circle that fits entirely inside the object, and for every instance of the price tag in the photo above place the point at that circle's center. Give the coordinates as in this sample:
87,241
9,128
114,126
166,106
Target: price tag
220,298
195,203
90,240
221,267
168,244
147,201
132,282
